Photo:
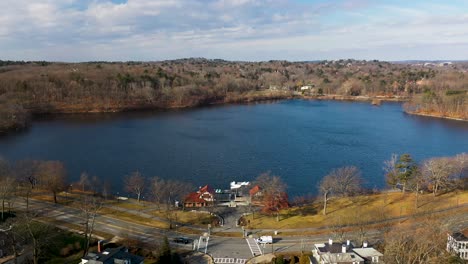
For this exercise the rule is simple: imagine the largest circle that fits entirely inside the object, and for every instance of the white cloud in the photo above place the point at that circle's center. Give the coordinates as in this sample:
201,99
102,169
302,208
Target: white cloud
232,29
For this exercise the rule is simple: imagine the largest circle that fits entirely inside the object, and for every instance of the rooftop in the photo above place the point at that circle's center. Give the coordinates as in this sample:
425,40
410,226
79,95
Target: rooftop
460,236
333,248
341,258
367,252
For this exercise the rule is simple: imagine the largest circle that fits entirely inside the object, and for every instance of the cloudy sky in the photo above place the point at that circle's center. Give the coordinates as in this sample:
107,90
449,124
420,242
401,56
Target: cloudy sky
84,30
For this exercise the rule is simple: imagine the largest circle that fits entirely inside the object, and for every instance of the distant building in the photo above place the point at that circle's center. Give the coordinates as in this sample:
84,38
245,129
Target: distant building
458,243
255,192
118,255
203,197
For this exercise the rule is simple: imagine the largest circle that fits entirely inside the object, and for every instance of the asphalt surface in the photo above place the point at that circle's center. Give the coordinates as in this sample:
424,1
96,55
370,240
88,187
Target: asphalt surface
221,248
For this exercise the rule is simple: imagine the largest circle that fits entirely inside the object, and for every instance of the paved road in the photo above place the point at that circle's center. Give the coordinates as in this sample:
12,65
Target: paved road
222,248
103,223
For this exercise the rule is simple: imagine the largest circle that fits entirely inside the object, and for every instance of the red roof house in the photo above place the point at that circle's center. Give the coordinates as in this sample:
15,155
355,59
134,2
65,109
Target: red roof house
203,197
255,191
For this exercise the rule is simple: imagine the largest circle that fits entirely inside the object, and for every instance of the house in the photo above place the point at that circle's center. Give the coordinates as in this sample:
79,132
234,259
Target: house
338,253
203,197
458,243
118,255
255,192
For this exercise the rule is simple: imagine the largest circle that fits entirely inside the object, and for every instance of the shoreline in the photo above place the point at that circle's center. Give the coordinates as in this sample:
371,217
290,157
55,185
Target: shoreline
241,99
335,97
435,116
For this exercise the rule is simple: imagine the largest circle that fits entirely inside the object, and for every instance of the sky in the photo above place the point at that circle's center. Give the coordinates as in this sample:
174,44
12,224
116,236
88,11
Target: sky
247,30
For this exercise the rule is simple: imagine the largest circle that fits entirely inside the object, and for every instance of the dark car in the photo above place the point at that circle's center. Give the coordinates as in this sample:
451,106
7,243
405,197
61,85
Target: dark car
182,240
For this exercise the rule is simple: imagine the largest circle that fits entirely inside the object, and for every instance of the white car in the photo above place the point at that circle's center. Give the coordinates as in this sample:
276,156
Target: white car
265,240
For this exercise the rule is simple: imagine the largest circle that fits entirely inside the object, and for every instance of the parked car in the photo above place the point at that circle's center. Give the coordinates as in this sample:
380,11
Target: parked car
183,240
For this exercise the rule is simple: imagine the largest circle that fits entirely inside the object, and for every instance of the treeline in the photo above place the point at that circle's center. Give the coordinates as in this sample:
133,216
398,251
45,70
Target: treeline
436,175
42,87
25,227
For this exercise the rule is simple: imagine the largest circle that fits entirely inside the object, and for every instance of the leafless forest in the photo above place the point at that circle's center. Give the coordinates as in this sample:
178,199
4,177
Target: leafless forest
28,88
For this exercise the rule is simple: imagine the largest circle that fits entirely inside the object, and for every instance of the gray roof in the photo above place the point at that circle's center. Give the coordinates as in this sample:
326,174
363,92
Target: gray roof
341,258
333,248
458,236
367,252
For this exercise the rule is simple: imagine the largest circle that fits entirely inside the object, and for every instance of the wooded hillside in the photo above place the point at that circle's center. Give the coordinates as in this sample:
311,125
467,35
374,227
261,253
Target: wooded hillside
42,87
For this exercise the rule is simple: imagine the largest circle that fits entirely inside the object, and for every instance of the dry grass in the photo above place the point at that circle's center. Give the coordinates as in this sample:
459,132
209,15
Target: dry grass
358,210
130,205
132,218
186,217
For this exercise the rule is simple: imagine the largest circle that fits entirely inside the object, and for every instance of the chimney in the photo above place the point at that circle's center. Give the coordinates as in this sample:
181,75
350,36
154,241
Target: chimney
348,243
330,241
364,245
343,248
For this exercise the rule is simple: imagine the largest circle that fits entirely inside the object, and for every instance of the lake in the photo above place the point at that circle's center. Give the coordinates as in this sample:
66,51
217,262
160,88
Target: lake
299,140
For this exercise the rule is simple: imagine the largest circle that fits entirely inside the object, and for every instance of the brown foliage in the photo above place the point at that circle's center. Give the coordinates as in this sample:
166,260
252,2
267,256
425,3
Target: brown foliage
109,87
420,243
274,196
52,177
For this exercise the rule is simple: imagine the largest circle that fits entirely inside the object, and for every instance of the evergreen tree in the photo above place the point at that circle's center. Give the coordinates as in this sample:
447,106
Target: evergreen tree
165,255
407,170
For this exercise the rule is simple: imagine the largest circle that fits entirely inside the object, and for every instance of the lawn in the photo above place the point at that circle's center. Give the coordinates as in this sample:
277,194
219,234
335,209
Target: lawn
356,210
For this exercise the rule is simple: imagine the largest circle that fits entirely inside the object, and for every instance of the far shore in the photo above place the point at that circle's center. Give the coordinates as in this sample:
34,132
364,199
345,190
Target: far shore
436,116
363,98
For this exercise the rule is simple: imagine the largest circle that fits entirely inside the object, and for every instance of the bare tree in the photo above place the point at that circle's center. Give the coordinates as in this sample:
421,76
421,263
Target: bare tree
7,184
89,206
461,165
84,181
349,181
166,193
344,181
391,170
52,177
439,173
38,233
26,172
417,184
7,189
135,183
107,189
326,187
422,243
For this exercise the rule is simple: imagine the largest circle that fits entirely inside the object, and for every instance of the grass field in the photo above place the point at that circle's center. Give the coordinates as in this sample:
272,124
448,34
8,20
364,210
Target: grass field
355,210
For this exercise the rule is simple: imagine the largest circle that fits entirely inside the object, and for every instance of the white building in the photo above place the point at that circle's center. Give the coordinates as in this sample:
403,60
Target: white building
337,253
458,244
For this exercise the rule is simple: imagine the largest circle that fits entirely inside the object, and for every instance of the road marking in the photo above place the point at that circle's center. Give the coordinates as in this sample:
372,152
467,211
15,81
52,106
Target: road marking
254,248
229,260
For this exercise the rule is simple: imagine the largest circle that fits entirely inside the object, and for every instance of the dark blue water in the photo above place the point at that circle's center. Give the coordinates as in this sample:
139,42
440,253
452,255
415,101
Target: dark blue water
301,141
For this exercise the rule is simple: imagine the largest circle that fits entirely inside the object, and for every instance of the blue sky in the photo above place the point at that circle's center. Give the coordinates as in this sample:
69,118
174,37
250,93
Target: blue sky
253,30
